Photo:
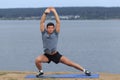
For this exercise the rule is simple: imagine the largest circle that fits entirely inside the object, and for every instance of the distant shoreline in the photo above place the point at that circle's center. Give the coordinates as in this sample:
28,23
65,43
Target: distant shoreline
65,13
61,19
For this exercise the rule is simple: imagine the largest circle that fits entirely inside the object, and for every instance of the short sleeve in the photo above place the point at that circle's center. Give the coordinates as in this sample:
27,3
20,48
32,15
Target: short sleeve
43,32
56,32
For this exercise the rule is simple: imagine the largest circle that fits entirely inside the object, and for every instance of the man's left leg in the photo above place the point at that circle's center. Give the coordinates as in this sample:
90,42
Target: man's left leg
68,62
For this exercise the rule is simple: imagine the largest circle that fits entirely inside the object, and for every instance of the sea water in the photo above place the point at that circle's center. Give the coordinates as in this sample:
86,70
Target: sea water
94,44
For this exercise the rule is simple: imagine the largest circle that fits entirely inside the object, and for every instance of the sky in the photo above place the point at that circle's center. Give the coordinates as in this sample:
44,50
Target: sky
58,3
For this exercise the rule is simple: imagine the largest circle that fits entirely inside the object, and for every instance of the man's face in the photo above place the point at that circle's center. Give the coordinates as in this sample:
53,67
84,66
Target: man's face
50,29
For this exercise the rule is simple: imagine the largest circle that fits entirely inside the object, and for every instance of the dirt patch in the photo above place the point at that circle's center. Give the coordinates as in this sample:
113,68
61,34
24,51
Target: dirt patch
21,76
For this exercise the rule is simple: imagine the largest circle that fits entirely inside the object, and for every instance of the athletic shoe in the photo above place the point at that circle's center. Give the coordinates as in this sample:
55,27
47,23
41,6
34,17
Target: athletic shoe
87,73
39,75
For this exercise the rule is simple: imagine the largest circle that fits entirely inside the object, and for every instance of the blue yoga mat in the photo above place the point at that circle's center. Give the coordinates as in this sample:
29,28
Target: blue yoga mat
64,76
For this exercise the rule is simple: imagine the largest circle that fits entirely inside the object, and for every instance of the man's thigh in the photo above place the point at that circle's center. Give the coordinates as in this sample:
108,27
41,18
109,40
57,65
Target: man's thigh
42,58
65,60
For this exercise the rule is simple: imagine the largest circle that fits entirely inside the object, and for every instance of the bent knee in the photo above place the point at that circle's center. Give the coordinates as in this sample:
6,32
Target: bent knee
38,59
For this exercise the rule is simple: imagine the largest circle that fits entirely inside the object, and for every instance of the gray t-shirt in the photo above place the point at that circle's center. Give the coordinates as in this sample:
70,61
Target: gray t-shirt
49,41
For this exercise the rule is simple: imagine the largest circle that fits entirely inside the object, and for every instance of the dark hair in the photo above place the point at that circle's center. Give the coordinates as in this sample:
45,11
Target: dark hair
50,24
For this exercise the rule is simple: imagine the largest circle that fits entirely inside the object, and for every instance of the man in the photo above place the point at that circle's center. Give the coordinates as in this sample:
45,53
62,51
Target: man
50,40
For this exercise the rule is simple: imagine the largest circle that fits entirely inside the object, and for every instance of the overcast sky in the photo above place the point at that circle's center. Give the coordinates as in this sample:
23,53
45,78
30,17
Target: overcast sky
57,3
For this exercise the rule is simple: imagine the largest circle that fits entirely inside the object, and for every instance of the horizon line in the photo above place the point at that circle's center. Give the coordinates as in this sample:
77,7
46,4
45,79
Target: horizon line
63,7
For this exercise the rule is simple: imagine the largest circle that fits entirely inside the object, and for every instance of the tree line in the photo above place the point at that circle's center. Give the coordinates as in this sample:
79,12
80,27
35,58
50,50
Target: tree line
67,12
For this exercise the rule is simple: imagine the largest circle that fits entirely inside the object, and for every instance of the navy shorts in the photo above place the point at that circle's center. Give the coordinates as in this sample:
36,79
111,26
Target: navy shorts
55,58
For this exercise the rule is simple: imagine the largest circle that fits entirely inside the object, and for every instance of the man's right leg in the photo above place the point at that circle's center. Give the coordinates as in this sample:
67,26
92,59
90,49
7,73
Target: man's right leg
38,61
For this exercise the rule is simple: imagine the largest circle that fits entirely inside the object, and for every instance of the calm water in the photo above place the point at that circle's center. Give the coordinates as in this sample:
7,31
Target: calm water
94,44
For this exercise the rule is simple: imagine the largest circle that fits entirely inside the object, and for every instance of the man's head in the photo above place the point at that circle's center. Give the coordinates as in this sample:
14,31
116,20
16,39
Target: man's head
50,27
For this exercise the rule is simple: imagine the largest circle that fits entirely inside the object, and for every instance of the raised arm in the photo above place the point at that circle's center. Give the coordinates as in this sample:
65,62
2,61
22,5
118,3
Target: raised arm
43,18
56,18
